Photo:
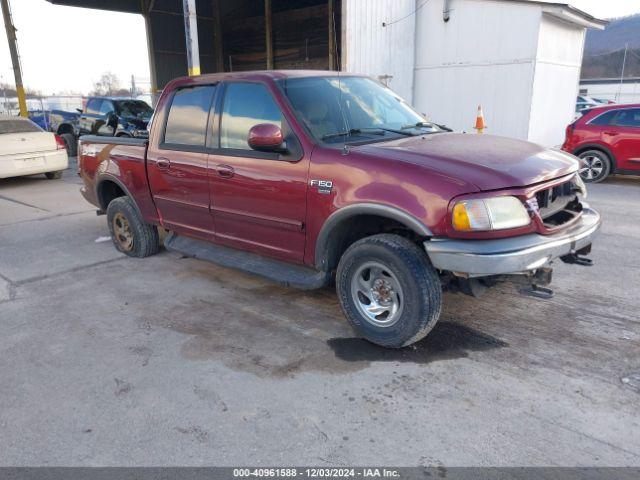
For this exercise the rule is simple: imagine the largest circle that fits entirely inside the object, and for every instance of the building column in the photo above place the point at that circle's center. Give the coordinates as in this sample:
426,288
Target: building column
191,36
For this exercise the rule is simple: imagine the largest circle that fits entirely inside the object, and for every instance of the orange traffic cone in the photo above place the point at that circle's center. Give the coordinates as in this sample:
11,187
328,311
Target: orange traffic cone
480,126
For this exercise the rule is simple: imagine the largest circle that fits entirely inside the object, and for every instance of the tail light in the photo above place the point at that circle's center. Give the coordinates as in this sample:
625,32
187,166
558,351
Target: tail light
60,143
568,133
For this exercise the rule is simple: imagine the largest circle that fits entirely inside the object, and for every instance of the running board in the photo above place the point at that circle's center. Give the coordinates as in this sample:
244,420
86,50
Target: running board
283,273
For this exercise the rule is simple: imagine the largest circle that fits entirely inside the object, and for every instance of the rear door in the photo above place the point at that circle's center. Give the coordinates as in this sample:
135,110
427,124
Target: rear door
258,198
177,163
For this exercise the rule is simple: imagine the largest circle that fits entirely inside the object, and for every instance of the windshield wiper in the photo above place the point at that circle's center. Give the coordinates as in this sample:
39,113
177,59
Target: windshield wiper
418,125
366,130
354,131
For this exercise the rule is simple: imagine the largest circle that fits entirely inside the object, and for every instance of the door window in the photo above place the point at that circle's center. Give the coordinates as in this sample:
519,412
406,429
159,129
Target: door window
628,118
93,106
246,105
106,107
604,119
188,116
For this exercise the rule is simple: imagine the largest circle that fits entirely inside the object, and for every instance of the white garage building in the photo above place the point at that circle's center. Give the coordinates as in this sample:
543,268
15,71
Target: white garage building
519,59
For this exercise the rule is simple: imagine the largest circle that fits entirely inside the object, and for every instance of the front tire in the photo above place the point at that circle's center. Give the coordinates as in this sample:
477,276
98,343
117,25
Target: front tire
130,234
388,290
53,175
596,166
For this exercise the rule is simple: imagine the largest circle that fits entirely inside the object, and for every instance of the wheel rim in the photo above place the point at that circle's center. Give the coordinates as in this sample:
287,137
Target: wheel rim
593,168
122,232
377,294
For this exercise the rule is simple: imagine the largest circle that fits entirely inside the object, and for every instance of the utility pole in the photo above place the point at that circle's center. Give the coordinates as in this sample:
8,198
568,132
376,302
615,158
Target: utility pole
133,87
15,58
191,36
624,62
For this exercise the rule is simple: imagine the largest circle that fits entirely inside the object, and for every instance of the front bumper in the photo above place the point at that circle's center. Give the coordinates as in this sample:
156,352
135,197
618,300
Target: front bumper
525,253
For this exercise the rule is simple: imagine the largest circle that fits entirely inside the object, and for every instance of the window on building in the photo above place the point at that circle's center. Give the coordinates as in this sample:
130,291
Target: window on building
188,115
246,105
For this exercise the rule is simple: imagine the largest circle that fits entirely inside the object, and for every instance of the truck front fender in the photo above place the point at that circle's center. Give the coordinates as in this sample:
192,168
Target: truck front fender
326,243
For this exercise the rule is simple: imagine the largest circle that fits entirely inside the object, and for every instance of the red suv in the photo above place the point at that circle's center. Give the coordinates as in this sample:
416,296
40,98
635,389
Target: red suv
607,138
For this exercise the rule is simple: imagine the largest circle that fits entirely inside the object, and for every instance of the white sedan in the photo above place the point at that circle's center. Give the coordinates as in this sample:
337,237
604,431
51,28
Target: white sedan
26,149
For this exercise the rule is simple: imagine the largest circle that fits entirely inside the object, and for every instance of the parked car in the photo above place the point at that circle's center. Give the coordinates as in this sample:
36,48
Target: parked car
26,149
583,102
60,122
307,176
607,139
603,101
115,117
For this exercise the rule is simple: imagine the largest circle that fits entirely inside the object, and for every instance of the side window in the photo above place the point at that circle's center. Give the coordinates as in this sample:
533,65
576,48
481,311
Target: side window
246,105
604,119
93,106
188,115
106,107
628,118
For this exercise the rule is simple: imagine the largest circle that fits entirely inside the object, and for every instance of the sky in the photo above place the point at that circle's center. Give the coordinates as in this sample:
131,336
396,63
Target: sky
66,49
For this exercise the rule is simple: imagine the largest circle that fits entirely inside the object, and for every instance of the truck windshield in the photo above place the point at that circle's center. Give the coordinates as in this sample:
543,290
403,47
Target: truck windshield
134,108
358,109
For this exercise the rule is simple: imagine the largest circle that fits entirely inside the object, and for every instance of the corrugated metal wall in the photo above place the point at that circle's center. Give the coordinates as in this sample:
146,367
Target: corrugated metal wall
371,48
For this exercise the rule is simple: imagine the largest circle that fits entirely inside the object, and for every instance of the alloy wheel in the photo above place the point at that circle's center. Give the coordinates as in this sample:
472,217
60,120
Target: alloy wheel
377,294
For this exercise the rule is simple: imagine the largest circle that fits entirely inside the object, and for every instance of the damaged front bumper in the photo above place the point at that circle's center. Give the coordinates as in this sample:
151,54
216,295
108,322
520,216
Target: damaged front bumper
526,253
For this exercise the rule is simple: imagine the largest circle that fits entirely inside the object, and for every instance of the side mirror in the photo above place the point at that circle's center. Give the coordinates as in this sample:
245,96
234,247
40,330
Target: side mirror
266,137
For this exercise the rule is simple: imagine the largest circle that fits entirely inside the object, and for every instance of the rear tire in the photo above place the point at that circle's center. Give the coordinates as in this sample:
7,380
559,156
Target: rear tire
596,166
54,175
130,234
71,143
388,290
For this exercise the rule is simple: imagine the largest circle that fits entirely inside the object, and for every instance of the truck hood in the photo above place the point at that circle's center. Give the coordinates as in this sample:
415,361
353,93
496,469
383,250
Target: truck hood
487,161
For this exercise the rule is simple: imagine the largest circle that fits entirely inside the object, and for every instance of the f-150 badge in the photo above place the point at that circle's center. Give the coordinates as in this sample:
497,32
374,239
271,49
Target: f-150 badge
323,186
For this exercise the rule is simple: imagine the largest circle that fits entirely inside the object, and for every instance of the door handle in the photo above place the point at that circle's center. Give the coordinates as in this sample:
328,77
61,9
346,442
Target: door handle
613,134
163,163
225,171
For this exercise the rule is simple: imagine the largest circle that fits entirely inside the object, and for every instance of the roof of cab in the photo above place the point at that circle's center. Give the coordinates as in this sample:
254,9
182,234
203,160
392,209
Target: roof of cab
260,75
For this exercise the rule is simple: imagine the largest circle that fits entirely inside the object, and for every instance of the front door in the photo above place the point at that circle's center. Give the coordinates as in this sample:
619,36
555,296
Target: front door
258,199
89,116
177,163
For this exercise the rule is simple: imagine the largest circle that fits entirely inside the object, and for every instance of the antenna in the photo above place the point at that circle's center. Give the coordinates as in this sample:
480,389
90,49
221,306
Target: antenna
345,149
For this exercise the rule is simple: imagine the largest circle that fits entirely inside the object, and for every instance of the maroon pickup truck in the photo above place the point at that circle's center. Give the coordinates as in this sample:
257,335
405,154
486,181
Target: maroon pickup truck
307,177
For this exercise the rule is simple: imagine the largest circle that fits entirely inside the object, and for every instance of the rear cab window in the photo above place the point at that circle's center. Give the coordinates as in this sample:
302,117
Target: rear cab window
18,125
186,123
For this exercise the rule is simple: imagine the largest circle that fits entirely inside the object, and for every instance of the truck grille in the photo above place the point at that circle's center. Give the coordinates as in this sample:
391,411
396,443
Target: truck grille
559,204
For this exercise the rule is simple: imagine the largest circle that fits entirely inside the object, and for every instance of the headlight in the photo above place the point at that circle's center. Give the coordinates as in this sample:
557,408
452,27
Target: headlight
496,213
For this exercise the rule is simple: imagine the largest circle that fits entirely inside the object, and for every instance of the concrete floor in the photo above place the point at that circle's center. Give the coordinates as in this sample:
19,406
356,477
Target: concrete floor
107,360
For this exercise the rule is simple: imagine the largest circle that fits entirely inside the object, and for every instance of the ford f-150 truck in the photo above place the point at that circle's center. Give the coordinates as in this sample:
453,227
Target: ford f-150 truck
306,177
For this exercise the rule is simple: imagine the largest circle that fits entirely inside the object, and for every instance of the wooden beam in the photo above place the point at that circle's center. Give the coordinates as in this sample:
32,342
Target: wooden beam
332,35
268,36
218,37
